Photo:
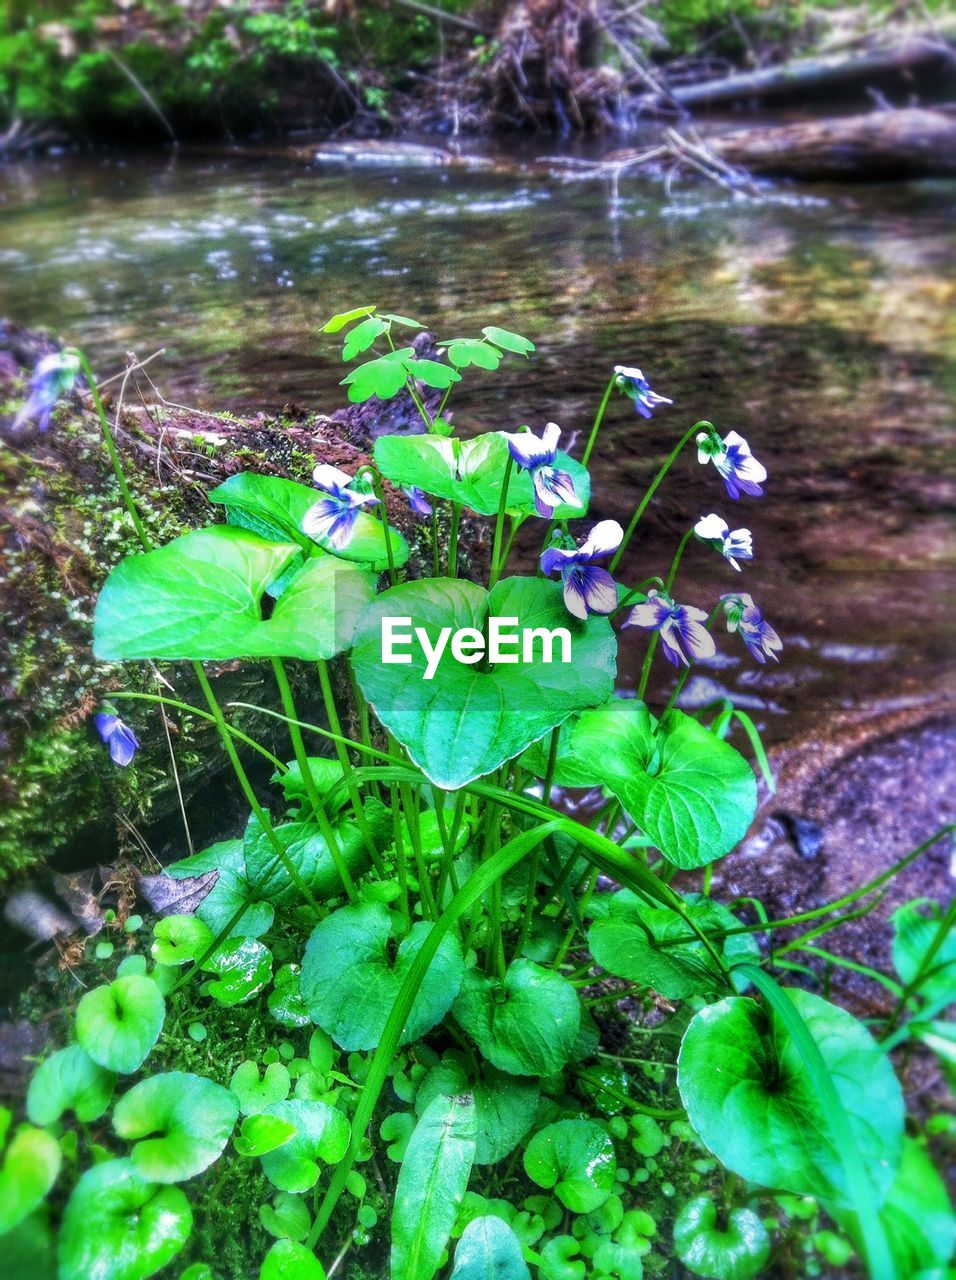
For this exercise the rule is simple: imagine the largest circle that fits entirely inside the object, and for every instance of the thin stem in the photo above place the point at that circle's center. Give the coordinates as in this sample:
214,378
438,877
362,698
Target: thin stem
499,524
912,987
386,528
592,438
410,809
436,563
655,637
453,540
203,715
652,489
331,711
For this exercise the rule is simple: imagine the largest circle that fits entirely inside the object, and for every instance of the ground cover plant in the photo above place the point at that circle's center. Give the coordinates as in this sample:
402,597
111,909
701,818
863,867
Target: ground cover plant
376,1040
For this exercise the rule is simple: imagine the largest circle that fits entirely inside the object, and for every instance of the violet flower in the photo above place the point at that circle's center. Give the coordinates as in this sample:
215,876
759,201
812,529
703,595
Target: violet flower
417,500
332,519
733,546
116,735
552,486
757,634
52,379
587,588
738,468
680,627
634,385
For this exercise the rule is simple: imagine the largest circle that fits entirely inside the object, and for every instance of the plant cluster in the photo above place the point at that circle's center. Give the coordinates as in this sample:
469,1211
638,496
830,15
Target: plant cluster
422,923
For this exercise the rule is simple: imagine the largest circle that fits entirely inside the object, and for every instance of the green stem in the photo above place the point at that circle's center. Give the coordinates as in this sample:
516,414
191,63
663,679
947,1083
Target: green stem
592,438
655,636
203,715
335,724
652,489
386,528
436,563
410,809
644,1108
943,929
496,565
453,540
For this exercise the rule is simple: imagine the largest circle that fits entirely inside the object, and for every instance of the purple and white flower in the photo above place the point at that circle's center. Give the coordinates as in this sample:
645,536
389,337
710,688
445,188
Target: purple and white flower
680,626
332,519
733,546
633,383
587,587
552,486
116,735
52,379
738,468
417,501
757,634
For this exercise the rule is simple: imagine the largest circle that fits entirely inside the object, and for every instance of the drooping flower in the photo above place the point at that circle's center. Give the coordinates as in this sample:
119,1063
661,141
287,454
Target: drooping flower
332,518
738,468
552,486
52,379
417,500
680,626
757,634
633,383
587,587
116,735
733,546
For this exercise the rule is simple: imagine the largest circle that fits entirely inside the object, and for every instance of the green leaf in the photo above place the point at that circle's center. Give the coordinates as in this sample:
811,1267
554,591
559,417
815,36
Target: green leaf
287,1217
343,318
472,472
230,892
404,321
349,983
736,1251
183,1120
274,508
321,1133
242,967
288,1260
463,352
505,1107
363,336
629,943
285,1000
383,377
118,1227
255,1095
917,1215
915,926
432,1182
526,1025
179,939
489,1250
432,373
760,1114
30,1165
325,775
465,722
308,849
119,1024
575,1158
507,340
69,1080
692,794
261,1134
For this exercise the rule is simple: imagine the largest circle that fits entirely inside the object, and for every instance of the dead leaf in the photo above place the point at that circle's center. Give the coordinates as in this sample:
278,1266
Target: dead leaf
77,892
169,897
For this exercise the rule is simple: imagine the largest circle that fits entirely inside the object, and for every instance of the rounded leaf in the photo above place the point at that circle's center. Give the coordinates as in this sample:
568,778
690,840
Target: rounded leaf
736,1251
759,1114
69,1080
321,1133
180,939
232,890
117,1025
576,1158
183,1121
489,1250
255,1095
242,967
261,1134
289,1260
30,1165
119,1227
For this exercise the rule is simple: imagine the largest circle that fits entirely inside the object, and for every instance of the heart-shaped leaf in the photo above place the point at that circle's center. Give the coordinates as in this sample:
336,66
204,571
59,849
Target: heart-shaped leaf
472,472
760,1115
689,791
489,1250
119,1024
261,1134
200,597
736,1251
285,999
31,1163
349,983
69,1080
231,891
180,939
289,1260
916,925
321,1133
275,508
325,775
635,941
255,1095
309,853
526,1025
463,352
465,722
431,1185
287,1217
505,1107
179,1122
118,1227
242,967
576,1158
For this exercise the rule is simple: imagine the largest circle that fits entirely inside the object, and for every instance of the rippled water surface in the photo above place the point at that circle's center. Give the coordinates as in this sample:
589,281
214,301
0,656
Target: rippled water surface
818,322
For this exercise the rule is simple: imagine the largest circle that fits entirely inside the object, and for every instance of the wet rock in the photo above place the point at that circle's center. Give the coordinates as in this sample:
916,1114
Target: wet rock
804,834
36,916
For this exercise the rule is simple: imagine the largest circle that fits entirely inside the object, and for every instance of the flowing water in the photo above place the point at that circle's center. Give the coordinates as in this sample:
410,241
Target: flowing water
818,322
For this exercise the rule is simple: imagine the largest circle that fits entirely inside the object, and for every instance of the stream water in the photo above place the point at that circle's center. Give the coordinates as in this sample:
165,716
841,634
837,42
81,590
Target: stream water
818,322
